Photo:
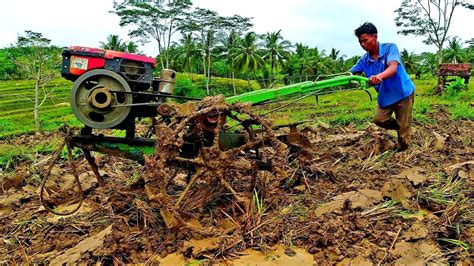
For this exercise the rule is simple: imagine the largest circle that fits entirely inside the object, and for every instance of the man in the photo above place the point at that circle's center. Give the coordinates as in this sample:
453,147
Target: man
384,68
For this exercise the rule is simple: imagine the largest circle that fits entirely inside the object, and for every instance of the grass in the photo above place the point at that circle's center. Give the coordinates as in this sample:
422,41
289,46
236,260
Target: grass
343,108
337,109
16,107
258,203
354,107
12,155
444,191
456,242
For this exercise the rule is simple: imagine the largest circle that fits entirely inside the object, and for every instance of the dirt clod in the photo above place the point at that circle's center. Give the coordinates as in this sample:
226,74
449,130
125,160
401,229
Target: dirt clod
346,199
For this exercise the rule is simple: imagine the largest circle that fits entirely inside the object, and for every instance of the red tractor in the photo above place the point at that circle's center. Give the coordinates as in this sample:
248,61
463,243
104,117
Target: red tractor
112,88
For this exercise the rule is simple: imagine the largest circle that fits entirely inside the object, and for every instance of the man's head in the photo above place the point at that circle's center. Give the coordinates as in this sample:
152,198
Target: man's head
367,35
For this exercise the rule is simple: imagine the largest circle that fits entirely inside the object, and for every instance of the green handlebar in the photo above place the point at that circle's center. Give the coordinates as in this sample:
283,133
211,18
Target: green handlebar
259,96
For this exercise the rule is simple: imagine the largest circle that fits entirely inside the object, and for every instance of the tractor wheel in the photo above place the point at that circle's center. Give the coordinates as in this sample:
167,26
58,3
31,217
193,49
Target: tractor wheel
94,101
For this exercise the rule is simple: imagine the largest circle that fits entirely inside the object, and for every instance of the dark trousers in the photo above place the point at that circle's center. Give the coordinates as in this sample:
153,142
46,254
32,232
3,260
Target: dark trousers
403,117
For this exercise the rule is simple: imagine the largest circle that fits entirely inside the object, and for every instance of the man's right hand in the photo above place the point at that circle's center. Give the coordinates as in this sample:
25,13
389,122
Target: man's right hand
375,80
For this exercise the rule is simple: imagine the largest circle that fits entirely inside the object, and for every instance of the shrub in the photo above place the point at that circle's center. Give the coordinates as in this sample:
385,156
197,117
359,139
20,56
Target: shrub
453,89
185,87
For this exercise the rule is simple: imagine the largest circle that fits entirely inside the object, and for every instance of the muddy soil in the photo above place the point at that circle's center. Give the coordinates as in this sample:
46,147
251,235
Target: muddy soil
348,199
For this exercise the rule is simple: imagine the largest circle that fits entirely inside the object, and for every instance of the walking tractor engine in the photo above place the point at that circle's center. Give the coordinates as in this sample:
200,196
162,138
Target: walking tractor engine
112,88
196,152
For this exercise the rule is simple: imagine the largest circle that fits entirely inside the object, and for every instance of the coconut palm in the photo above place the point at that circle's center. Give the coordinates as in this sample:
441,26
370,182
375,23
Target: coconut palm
113,43
350,62
131,47
334,54
247,54
470,52
454,52
303,61
429,63
188,53
275,49
173,51
319,62
410,61
338,59
208,47
227,50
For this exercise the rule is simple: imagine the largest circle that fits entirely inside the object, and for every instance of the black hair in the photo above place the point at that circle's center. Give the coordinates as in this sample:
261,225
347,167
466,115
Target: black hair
367,27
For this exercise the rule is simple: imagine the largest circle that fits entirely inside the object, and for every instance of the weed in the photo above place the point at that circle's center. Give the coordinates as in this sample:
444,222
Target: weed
456,242
406,214
258,202
76,153
444,191
47,146
453,89
423,106
34,179
119,133
461,110
197,262
133,179
11,156
13,242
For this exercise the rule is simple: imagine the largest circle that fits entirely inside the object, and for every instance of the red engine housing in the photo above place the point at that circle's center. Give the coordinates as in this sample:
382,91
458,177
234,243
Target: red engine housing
137,70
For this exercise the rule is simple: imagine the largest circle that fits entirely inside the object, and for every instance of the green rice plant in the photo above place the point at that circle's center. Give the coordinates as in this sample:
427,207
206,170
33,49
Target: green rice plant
34,179
407,214
456,242
197,262
133,179
444,191
258,202
75,152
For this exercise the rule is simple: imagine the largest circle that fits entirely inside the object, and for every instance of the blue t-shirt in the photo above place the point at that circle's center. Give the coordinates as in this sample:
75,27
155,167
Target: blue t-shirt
390,90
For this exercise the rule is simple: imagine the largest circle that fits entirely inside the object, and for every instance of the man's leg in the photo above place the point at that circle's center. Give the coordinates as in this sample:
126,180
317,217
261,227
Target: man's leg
403,113
383,118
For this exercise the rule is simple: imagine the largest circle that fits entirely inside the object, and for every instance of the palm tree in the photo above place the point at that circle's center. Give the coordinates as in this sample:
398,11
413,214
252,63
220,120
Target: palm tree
429,63
410,61
247,55
188,52
303,61
470,51
173,52
113,43
334,54
276,50
227,49
131,47
455,53
350,62
319,62
339,60
208,46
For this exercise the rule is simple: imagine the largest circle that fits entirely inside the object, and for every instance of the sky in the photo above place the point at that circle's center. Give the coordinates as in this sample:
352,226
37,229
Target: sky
324,24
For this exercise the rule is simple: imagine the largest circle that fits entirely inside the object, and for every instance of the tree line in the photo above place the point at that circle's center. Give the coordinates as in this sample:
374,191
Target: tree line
265,57
215,45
